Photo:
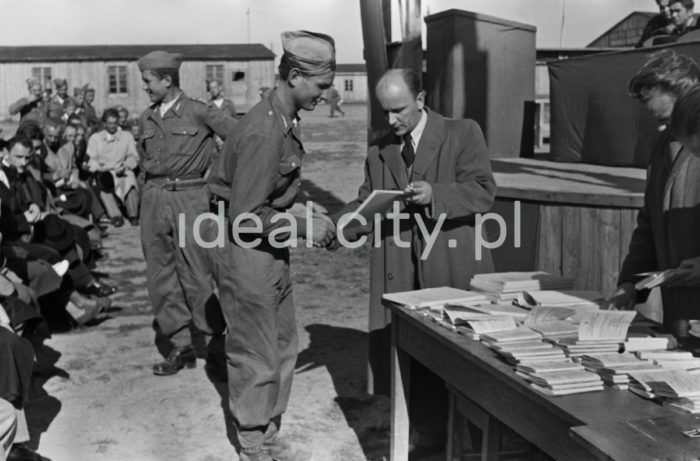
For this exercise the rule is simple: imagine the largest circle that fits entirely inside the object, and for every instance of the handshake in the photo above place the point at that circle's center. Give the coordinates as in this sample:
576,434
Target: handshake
322,232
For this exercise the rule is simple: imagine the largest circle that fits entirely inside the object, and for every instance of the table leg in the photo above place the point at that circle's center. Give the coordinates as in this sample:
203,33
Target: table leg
400,378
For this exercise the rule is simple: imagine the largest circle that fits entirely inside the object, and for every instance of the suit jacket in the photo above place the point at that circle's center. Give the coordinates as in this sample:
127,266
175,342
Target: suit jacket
667,225
452,156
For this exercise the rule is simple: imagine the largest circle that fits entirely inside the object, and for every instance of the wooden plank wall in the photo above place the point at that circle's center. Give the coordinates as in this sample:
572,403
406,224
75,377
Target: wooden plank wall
586,243
192,76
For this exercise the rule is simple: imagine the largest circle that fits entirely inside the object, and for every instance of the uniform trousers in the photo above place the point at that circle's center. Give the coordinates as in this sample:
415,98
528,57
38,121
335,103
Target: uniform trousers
261,343
178,268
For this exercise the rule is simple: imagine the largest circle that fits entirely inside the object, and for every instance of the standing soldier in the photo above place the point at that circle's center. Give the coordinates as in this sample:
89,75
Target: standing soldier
176,148
258,174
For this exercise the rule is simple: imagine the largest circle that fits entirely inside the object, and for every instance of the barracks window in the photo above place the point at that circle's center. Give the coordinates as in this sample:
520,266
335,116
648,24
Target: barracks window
215,72
43,74
117,76
349,84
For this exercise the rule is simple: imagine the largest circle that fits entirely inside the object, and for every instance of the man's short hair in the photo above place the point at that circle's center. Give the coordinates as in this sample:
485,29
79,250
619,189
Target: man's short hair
21,140
670,71
687,4
685,118
110,112
30,130
174,75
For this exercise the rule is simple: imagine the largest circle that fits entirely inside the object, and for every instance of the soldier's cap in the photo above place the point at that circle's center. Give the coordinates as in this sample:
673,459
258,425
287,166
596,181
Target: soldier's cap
87,89
78,90
310,52
60,82
159,60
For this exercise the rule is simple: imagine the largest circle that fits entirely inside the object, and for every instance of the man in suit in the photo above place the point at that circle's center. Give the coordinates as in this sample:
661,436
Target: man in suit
444,165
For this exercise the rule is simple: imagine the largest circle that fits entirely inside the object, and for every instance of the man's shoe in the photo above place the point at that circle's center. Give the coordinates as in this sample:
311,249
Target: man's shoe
21,452
179,358
118,221
98,289
84,309
134,221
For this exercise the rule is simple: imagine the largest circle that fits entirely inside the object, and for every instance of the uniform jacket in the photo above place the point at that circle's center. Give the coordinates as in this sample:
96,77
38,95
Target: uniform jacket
259,167
452,157
180,143
668,225
227,107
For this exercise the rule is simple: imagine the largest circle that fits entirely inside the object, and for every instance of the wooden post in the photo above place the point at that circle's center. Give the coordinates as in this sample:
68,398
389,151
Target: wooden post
374,34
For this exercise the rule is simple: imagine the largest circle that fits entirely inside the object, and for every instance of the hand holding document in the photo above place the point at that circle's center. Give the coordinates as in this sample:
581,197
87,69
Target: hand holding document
377,203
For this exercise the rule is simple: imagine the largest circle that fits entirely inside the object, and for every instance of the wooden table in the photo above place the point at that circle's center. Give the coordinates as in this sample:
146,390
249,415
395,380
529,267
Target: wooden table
609,424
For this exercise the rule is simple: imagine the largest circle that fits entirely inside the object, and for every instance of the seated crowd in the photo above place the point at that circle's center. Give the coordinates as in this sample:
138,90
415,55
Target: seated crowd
65,176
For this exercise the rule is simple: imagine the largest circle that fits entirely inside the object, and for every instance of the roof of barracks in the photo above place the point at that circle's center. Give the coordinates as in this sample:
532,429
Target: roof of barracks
219,52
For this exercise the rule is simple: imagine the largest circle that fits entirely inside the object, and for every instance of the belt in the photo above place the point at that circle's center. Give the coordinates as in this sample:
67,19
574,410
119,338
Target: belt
179,183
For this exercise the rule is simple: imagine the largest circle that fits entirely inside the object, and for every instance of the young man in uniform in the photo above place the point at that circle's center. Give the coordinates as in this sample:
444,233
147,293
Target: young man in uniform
258,176
176,147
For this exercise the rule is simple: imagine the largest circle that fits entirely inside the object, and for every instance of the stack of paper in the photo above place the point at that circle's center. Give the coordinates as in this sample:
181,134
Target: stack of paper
474,323
519,334
549,366
575,348
434,298
654,279
565,382
648,343
672,384
614,368
529,352
505,286
672,359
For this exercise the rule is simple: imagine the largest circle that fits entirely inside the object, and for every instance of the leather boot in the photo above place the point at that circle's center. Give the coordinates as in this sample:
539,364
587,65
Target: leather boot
179,358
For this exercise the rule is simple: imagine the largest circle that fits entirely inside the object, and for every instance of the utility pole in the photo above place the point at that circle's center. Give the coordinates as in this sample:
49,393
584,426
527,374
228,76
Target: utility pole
247,14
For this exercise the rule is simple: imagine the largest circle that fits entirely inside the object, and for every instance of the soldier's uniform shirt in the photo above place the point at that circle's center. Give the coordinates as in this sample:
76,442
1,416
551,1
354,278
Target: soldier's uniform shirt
258,172
177,146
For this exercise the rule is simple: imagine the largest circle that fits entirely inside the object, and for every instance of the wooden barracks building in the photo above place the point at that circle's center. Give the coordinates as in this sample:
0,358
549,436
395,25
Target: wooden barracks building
112,71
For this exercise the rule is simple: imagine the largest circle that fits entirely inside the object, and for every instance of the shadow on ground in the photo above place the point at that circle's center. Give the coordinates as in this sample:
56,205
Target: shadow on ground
343,352
42,408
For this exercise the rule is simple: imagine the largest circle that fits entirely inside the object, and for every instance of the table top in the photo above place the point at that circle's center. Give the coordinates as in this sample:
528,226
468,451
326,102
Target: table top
569,183
609,418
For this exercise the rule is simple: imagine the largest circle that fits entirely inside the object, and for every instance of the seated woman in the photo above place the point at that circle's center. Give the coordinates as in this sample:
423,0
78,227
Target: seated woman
113,151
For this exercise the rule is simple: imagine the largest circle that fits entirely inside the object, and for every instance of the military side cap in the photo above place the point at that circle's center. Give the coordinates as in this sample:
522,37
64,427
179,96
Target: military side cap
160,60
60,82
311,52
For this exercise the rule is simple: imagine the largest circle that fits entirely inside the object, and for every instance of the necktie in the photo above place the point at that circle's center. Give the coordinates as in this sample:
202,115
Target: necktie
407,152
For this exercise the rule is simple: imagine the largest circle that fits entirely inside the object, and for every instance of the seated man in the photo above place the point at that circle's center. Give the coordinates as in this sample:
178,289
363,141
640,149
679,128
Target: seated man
16,365
24,221
113,150
660,24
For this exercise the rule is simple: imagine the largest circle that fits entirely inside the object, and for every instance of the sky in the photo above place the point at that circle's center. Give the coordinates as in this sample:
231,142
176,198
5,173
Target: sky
103,22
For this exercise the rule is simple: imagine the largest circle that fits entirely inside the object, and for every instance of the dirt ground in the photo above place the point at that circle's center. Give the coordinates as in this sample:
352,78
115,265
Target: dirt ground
95,398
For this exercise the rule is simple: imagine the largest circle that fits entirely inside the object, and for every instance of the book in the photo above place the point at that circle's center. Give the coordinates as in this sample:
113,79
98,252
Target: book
433,297
604,324
654,279
505,282
377,203
568,390
561,298
514,335
650,343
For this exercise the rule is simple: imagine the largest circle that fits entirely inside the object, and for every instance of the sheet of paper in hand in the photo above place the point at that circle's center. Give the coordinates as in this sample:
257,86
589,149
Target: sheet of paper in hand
378,203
